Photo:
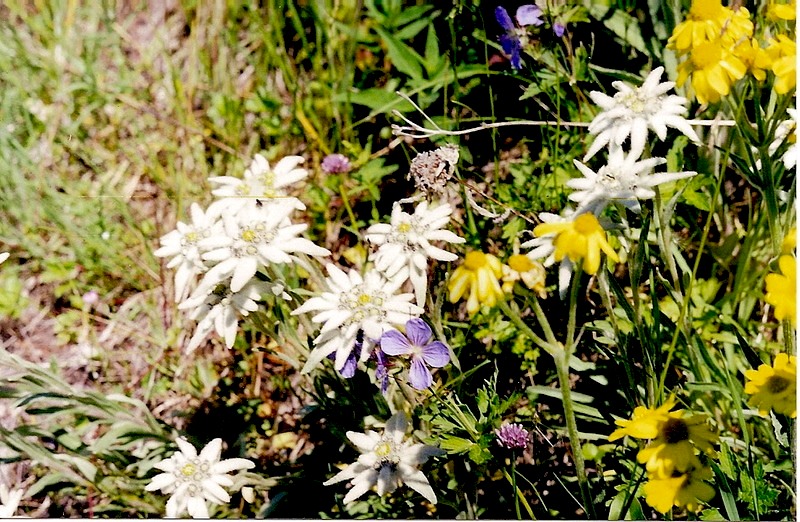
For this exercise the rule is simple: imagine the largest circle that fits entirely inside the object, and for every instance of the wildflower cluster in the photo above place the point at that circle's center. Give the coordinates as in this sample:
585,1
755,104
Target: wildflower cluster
675,473
719,46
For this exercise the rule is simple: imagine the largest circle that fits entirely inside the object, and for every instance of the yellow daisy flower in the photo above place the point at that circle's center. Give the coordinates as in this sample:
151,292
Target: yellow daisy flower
530,272
783,52
713,68
644,423
782,289
774,387
703,23
581,238
778,11
684,490
479,277
673,449
754,58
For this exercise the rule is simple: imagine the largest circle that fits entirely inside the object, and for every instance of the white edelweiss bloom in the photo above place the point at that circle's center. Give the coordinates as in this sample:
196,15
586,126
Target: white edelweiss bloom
4,256
634,110
194,479
261,181
624,180
786,130
256,236
182,244
220,311
405,244
9,501
387,461
351,305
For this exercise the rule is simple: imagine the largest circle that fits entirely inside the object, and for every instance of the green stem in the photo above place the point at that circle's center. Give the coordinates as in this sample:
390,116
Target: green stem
562,367
514,486
552,349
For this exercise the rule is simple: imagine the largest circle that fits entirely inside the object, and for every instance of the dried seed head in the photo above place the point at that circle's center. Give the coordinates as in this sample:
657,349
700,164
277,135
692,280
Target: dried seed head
432,170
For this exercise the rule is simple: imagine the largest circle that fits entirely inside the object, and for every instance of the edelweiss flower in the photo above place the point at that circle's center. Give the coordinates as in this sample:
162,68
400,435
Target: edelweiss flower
623,180
261,181
351,305
387,461
633,110
220,311
182,245
405,244
256,236
194,479
9,499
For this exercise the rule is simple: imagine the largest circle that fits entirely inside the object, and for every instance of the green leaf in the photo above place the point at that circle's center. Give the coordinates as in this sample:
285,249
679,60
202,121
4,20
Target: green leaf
405,59
452,444
379,100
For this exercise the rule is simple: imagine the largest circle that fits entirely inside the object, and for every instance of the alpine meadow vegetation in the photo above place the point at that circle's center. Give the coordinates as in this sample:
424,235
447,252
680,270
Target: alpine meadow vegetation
398,259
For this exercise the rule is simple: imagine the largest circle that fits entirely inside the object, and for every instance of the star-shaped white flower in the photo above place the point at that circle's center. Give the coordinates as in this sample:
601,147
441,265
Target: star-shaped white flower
182,244
193,480
388,461
221,309
9,500
351,305
256,236
405,244
624,180
634,110
261,181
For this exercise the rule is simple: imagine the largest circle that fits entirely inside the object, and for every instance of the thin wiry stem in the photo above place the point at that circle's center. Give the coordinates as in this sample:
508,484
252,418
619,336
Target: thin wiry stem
416,131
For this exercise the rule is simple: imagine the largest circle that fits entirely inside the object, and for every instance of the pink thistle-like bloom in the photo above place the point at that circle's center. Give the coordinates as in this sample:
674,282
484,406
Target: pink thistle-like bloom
335,164
512,436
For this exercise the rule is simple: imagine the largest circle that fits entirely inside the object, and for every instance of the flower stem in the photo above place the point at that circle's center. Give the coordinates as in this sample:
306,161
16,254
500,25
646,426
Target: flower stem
514,486
562,367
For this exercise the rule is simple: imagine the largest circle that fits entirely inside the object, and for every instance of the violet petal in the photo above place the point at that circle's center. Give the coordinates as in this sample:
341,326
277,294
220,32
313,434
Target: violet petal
418,332
503,19
419,375
529,15
436,354
394,343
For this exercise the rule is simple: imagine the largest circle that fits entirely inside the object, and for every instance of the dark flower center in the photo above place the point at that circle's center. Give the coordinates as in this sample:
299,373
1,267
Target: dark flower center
776,384
675,430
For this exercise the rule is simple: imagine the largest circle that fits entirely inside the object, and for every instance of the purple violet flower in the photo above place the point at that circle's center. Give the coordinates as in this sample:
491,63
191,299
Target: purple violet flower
517,37
512,436
382,369
335,164
349,368
559,29
417,343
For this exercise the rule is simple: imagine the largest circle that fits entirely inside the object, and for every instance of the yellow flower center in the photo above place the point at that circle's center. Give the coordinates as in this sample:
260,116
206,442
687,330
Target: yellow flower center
188,470
404,228
475,260
249,235
520,263
675,430
191,237
587,225
383,450
706,55
364,299
776,384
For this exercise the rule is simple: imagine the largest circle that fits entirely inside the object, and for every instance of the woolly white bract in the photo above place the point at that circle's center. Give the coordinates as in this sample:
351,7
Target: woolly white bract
388,461
351,305
624,179
405,244
9,498
634,110
193,480
260,180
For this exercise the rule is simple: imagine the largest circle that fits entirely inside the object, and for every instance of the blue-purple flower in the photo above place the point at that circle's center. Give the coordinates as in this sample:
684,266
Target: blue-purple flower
559,29
335,164
516,37
512,436
417,342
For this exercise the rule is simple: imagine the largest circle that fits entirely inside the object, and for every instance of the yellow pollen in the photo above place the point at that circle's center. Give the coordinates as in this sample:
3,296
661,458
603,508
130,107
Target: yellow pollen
364,299
475,260
520,263
404,228
188,470
587,224
191,237
383,449
249,235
